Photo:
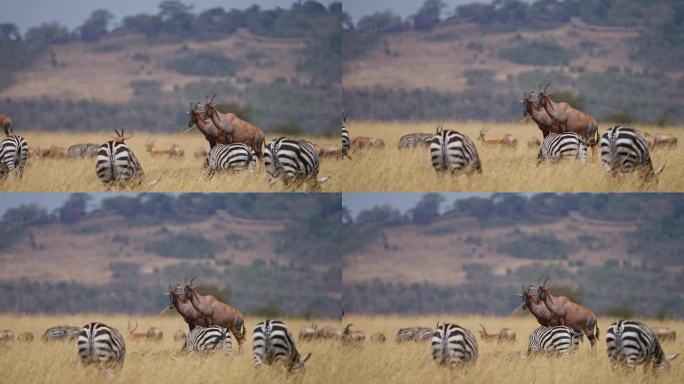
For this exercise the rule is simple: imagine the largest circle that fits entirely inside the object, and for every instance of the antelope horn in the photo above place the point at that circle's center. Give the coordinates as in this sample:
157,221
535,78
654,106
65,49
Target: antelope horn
547,86
483,328
164,310
212,99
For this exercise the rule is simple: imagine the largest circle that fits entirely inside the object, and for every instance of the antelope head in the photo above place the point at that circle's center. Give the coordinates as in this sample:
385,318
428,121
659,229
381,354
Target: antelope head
298,361
196,113
439,129
542,96
132,331
483,332
209,107
482,133
120,138
542,290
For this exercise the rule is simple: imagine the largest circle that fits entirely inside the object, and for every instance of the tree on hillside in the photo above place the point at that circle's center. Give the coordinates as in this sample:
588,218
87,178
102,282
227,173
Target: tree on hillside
48,33
74,208
9,32
428,15
380,21
96,26
427,209
26,214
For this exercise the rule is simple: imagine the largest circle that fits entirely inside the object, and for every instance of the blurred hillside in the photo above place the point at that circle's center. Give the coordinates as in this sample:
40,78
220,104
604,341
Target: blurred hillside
616,253
262,252
278,67
618,60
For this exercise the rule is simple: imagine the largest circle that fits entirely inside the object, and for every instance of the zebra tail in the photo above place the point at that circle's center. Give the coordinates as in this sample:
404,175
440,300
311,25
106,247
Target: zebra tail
596,335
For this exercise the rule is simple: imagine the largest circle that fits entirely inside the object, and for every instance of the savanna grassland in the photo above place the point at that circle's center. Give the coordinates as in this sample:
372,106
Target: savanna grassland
503,169
162,174
497,363
153,362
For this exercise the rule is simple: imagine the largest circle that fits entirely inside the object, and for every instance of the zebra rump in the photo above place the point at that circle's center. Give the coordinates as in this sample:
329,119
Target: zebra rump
272,343
413,334
559,340
565,145
61,332
453,345
630,343
413,140
13,155
231,157
346,142
209,339
291,159
625,150
101,344
453,151
116,163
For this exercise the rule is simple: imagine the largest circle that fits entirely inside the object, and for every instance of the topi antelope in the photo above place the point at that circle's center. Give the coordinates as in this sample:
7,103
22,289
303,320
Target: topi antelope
569,118
217,312
236,129
575,316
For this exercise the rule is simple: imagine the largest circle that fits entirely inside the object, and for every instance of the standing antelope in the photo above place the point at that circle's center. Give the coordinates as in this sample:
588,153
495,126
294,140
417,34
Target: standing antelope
101,344
564,145
191,316
454,152
116,162
575,316
272,344
631,343
453,345
507,141
152,334
236,129
660,140
569,118
14,150
625,150
537,308
211,133
216,312
544,122
505,334
559,340
307,333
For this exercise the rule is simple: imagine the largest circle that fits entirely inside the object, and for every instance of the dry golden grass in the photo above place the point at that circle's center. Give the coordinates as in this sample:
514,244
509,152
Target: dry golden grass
151,362
184,174
331,362
504,363
504,170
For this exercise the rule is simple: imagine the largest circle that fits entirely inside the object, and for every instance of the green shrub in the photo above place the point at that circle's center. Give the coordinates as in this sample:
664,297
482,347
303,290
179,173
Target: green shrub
537,52
204,64
183,245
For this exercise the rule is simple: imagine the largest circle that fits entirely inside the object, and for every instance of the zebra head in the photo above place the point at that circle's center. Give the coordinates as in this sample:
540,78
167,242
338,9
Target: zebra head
666,361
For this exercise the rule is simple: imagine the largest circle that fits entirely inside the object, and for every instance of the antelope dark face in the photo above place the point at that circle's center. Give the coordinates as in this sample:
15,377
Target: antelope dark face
196,112
209,108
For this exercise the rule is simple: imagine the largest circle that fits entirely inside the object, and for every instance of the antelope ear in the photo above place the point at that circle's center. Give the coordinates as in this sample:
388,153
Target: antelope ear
672,357
305,359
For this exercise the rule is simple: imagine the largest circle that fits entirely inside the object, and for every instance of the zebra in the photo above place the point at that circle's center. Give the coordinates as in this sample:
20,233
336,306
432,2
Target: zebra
625,150
14,153
564,145
559,340
413,334
101,344
60,333
230,157
116,163
273,343
292,160
413,140
346,142
452,345
208,339
453,151
631,343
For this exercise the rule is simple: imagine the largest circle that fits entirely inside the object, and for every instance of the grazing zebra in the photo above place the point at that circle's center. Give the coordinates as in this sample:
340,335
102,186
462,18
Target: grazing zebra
13,153
101,344
346,143
60,333
230,157
209,339
564,145
631,343
292,160
272,343
625,150
413,334
453,151
116,163
559,340
413,140
453,345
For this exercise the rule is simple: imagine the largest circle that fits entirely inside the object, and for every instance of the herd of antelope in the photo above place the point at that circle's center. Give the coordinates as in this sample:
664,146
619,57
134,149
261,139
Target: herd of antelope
234,145
566,133
212,324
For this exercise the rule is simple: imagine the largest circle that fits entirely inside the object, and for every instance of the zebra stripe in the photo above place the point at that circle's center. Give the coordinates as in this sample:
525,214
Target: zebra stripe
413,334
272,343
101,344
116,163
208,339
452,345
291,159
231,157
413,140
346,142
61,332
558,146
559,340
454,152
13,155
624,149
631,343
